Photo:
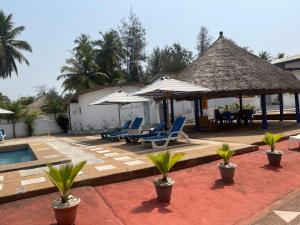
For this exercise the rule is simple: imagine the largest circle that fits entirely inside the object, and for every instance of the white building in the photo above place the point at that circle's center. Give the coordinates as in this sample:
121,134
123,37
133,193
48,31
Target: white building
85,118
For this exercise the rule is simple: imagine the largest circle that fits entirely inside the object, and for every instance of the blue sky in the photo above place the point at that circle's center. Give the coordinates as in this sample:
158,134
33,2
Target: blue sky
51,27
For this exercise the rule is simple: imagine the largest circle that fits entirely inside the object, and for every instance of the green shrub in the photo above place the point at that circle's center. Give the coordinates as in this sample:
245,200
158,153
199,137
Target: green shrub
271,139
63,122
63,178
225,153
30,117
164,161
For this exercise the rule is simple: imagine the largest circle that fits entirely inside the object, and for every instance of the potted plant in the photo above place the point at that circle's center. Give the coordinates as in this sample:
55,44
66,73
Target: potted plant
274,156
63,178
164,161
226,168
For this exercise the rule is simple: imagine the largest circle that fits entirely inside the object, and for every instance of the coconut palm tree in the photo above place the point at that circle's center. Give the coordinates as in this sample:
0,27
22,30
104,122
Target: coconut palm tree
265,55
81,72
10,47
109,56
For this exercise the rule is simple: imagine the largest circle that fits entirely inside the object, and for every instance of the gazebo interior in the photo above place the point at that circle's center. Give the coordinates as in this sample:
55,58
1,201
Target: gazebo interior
229,70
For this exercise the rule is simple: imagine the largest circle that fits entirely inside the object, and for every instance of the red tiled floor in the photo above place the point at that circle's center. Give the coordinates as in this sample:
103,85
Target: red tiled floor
199,196
37,211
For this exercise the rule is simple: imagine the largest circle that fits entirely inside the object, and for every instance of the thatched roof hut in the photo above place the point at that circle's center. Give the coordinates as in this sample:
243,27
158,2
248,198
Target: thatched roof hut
230,70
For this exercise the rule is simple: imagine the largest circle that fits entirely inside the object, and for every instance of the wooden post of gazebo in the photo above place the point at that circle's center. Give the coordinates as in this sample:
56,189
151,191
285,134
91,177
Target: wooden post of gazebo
241,108
165,112
263,111
280,99
201,106
297,107
172,111
197,117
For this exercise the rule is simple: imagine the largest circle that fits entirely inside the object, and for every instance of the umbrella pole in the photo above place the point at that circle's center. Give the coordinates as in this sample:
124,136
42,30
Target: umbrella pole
119,109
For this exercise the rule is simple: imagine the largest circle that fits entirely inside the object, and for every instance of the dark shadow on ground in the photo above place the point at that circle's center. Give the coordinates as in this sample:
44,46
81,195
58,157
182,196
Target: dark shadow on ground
150,205
272,168
219,184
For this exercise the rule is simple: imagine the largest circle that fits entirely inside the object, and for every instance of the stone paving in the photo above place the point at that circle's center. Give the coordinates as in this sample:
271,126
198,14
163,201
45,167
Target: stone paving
103,158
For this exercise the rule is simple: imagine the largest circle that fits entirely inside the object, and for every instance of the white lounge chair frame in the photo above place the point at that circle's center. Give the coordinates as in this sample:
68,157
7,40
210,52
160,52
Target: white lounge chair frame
167,139
294,138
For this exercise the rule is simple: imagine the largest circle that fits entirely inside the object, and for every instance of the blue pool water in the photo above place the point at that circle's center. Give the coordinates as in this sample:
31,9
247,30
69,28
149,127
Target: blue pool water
16,156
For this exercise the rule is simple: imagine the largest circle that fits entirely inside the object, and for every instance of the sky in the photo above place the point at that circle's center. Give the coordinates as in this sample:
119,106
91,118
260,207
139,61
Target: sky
51,27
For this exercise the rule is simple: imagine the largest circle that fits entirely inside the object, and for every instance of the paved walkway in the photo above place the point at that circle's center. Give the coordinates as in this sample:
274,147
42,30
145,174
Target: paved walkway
107,162
199,197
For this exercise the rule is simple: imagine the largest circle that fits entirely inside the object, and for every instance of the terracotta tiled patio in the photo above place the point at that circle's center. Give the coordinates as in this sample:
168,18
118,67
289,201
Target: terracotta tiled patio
199,196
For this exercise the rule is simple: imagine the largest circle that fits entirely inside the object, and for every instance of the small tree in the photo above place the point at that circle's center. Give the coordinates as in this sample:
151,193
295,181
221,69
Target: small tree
271,139
164,161
133,37
19,110
64,177
225,153
265,56
63,122
203,40
54,103
30,117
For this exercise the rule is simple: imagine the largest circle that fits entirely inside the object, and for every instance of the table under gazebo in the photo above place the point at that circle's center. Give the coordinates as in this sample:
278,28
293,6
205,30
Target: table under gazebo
227,70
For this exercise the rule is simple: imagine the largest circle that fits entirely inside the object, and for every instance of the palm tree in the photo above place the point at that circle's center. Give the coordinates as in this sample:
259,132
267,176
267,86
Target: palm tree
19,111
10,48
265,55
109,56
81,72
280,55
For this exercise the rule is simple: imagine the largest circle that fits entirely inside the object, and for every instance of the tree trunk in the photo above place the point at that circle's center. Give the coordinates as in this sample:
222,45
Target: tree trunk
14,127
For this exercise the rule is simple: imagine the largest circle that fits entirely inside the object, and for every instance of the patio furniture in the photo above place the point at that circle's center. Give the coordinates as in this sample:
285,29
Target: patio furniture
106,133
208,124
133,138
218,117
294,138
2,135
134,128
167,136
248,116
227,117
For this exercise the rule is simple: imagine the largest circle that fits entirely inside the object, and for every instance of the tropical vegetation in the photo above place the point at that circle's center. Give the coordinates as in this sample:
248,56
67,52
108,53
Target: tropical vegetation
63,178
164,161
271,139
225,153
11,48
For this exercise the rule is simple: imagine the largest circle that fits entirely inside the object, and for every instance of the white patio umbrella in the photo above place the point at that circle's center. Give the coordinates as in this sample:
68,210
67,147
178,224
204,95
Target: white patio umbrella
166,87
119,98
4,111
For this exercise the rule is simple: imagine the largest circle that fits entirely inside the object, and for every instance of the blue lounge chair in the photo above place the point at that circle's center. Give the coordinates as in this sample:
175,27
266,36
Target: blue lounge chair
133,127
2,135
144,133
125,126
167,136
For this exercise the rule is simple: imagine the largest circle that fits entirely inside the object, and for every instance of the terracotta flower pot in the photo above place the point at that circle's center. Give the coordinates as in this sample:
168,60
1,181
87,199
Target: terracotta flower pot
65,213
163,189
274,157
227,171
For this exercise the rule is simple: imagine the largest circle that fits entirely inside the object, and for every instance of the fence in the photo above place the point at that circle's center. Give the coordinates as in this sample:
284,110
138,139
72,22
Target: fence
42,126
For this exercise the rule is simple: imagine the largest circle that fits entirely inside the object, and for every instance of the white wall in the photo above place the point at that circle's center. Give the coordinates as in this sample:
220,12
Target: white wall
88,118
41,127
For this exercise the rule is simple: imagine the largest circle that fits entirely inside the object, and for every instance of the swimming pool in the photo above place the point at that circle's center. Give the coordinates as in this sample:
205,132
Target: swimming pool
16,156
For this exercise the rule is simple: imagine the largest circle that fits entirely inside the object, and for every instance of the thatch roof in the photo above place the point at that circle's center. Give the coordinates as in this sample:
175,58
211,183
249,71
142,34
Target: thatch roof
37,104
230,70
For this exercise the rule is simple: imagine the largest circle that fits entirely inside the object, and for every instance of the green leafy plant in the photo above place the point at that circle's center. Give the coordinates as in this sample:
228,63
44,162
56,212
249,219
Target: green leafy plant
164,161
271,139
225,153
63,178
30,117
63,122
